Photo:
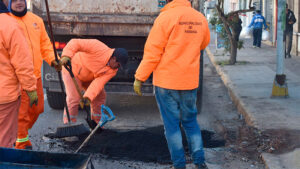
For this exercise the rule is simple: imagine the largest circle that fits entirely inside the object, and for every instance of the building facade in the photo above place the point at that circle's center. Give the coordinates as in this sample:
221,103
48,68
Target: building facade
269,11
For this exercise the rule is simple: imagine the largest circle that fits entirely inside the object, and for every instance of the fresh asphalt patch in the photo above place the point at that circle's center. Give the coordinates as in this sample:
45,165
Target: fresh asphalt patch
148,145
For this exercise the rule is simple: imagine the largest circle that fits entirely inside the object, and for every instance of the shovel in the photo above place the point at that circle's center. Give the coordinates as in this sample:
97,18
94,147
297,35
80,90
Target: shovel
104,119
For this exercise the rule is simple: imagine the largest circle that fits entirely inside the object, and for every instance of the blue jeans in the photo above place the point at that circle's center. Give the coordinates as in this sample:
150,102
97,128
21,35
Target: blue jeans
257,33
179,106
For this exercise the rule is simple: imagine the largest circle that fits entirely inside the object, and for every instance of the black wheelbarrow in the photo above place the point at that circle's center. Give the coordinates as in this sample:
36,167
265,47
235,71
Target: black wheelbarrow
26,159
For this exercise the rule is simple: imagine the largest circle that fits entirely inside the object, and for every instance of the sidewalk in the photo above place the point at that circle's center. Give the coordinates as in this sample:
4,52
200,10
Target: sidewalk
250,85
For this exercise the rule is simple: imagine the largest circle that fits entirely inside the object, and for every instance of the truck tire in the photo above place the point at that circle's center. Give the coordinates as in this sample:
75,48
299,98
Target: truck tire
56,100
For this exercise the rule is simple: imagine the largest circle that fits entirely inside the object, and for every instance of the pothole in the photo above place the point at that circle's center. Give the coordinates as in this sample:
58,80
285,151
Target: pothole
148,145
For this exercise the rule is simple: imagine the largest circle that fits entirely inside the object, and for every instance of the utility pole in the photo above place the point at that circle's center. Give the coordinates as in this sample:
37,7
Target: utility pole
280,88
201,6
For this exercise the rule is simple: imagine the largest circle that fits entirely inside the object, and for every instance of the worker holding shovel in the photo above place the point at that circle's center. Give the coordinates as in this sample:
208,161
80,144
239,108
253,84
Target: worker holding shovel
16,71
93,64
41,49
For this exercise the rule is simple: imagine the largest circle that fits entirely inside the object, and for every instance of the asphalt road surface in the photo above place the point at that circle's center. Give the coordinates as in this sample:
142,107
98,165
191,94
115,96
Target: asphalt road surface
138,126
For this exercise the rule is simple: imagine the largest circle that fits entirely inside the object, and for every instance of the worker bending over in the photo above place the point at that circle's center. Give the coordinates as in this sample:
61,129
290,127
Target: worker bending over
93,64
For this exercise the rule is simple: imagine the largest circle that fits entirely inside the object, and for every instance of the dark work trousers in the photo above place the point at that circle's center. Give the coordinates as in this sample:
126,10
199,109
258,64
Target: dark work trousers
237,35
257,37
289,40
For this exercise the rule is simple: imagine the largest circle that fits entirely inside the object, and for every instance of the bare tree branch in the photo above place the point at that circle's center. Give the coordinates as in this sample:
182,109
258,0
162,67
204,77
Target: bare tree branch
250,2
251,8
240,11
229,26
221,5
226,25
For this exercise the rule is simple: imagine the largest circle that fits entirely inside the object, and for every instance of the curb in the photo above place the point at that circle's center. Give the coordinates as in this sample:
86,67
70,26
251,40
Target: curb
237,101
235,98
270,161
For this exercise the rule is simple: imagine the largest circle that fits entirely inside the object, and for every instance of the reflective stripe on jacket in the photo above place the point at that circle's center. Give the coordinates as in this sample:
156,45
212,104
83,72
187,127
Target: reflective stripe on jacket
39,43
172,50
89,63
16,67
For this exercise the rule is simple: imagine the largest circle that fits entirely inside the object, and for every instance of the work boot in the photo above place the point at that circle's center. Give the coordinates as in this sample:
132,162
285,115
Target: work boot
201,166
23,145
92,124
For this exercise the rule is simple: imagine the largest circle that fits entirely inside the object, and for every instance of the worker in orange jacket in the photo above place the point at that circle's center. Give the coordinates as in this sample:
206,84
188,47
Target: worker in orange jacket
93,64
41,49
16,71
172,53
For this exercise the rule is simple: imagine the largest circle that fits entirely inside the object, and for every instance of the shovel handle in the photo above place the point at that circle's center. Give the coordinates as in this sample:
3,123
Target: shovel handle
51,31
104,119
77,88
56,58
69,69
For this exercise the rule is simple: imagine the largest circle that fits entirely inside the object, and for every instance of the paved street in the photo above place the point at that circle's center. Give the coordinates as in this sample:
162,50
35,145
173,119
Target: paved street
134,114
275,120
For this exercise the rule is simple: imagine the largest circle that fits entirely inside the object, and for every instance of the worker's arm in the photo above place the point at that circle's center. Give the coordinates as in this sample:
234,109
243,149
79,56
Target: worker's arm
20,57
206,38
265,24
293,19
252,22
154,48
46,45
98,84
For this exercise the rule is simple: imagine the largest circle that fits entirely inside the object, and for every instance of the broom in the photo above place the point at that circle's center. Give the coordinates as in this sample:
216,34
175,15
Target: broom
70,129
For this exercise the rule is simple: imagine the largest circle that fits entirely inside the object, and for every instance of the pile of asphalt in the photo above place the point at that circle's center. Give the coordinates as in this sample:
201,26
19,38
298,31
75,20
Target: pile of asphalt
148,145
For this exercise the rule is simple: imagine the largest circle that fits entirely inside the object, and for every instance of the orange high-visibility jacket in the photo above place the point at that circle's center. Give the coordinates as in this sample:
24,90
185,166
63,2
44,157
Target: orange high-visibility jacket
172,50
16,67
39,43
89,64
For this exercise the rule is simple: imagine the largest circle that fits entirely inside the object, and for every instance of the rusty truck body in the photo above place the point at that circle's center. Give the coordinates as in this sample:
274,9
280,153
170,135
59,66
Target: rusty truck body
117,23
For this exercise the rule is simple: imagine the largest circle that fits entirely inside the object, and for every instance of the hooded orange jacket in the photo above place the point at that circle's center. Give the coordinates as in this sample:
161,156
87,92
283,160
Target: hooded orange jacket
172,50
39,43
89,64
16,67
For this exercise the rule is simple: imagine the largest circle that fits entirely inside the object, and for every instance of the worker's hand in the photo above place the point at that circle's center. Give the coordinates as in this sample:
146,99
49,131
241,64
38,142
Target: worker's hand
33,97
137,86
57,65
64,60
84,102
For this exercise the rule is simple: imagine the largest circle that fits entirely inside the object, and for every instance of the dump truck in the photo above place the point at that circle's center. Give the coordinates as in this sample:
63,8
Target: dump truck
117,23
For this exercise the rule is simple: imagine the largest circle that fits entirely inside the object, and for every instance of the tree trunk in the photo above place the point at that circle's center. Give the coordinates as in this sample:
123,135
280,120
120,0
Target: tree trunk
229,29
233,51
